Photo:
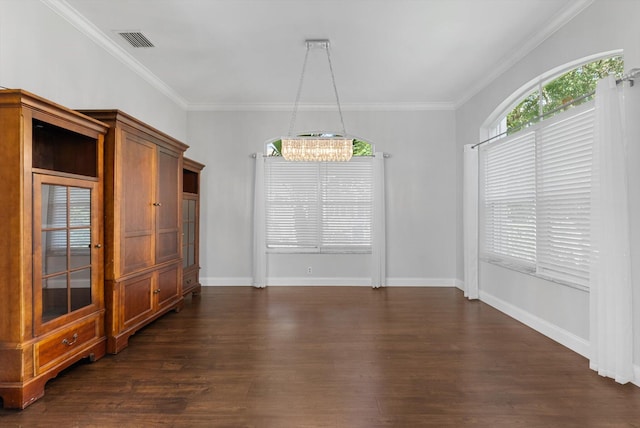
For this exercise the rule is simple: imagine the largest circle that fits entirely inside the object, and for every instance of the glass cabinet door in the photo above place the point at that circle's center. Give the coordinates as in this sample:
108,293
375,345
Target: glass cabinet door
188,232
66,238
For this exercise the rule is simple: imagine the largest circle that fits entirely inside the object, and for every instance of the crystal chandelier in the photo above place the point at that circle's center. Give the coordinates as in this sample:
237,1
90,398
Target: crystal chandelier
317,148
322,147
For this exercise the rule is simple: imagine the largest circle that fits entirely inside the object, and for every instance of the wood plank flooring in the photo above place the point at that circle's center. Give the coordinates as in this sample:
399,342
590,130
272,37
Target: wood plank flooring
334,357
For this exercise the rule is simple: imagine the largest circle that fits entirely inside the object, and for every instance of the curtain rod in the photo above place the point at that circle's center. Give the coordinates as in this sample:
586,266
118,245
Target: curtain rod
635,72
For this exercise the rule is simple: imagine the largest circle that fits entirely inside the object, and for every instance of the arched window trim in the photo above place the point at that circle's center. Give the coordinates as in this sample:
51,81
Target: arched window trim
491,125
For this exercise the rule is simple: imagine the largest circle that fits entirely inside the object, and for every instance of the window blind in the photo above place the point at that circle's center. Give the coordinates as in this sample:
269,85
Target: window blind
509,200
564,153
346,203
319,206
292,190
536,197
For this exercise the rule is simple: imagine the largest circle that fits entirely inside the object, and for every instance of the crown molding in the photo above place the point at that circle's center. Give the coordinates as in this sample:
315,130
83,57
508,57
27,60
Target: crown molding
66,11
561,19
432,106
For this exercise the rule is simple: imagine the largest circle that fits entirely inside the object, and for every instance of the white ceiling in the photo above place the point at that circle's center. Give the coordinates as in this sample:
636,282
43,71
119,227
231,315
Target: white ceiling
212,54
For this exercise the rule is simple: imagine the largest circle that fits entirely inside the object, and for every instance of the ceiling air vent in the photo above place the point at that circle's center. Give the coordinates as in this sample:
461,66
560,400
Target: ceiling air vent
136,39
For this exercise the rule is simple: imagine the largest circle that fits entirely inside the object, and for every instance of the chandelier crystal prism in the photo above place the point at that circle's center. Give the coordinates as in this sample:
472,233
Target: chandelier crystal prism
317,147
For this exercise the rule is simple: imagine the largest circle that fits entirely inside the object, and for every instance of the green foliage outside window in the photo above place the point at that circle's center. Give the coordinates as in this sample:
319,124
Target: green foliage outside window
566,88
360,148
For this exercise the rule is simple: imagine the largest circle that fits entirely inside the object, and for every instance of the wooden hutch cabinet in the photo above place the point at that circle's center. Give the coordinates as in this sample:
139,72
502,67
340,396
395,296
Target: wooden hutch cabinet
191,227
51,232
143,225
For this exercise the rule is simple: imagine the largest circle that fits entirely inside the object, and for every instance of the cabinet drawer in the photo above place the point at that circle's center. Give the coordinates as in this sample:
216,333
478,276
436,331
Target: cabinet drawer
190,280
67,341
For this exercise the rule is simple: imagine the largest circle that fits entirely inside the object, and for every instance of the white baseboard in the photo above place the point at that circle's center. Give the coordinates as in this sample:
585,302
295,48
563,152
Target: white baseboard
560,335
330,281
420,282
319,281
216,281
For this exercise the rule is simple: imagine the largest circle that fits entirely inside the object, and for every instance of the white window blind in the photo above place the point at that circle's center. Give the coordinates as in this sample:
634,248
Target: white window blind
564,153
536,197
319,206
292,190
509,200
347,205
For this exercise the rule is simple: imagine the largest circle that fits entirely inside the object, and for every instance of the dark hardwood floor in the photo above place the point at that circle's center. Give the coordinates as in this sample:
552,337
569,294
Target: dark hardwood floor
334,357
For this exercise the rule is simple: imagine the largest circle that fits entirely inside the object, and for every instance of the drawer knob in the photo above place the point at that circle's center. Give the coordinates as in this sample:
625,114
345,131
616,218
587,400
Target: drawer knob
73,340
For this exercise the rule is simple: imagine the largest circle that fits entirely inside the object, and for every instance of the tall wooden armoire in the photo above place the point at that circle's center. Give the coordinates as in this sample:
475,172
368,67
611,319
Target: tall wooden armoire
51,243
143,225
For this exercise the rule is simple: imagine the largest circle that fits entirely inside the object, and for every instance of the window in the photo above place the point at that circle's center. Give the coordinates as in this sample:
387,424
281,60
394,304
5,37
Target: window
319,207
559,93
536,198
536,180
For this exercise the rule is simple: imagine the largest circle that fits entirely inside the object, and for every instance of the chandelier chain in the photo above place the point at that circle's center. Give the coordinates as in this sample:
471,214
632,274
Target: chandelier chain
335,89
299,93
295,105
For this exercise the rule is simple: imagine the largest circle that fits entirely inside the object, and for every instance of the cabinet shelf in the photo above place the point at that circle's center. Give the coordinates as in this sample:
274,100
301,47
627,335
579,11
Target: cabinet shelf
59,149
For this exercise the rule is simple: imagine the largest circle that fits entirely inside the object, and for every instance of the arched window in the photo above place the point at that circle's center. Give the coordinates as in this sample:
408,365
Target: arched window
535,181
554,92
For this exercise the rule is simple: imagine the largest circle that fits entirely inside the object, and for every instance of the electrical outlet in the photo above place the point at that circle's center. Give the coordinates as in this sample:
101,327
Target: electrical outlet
309,270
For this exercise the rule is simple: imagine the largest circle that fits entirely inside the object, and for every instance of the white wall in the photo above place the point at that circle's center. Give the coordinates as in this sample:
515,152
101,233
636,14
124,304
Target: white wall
420,190
44,54
557,310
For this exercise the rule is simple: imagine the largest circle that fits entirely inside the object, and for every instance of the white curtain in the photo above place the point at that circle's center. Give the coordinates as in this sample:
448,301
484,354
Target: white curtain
470,221
378,251
611,319
259,225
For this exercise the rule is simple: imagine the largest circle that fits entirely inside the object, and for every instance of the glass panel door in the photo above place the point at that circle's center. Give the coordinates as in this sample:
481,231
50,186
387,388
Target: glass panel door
64,236
188,232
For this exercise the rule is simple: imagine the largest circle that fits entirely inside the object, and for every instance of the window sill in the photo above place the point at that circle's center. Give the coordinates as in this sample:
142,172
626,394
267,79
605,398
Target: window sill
529,270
